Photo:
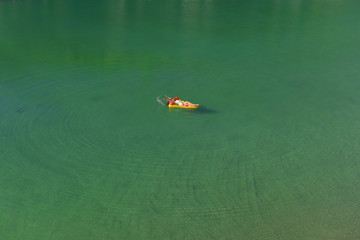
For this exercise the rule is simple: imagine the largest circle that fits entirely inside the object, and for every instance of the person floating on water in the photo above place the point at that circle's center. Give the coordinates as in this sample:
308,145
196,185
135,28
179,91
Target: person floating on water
177,101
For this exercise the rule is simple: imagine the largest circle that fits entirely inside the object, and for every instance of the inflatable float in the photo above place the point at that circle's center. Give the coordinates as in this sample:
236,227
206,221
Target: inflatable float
179,106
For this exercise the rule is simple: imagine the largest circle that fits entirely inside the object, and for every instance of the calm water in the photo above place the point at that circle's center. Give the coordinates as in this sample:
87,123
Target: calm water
86,151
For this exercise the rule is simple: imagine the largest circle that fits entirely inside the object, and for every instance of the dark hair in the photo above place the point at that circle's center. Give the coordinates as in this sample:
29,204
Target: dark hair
167,102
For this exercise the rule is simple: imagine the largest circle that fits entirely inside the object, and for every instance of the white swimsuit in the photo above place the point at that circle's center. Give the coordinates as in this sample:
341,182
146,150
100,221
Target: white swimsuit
180,103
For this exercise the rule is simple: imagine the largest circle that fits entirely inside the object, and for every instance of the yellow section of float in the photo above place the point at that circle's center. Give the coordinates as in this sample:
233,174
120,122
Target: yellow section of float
178,106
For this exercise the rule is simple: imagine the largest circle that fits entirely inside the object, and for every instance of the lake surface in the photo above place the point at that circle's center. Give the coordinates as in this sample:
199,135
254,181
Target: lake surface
87,152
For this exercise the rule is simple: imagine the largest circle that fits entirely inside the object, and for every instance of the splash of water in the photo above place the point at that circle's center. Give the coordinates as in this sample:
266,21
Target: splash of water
159,101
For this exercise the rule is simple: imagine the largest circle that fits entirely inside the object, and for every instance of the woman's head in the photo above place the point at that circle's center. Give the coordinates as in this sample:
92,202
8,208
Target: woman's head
176,98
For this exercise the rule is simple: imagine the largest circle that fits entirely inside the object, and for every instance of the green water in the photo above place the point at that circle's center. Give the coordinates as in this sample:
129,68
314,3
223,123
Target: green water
87,152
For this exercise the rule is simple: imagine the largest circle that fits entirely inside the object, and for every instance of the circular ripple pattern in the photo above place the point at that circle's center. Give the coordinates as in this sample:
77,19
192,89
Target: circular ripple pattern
84,143
86,151
81,112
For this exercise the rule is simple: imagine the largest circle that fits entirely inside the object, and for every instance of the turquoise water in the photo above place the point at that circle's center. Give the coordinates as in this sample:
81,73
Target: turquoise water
87,152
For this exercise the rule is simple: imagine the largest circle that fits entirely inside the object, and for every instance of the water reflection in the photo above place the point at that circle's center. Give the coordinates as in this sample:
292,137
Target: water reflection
124,28
196,13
